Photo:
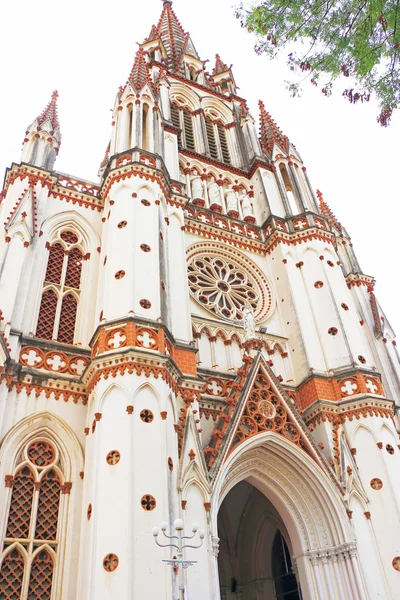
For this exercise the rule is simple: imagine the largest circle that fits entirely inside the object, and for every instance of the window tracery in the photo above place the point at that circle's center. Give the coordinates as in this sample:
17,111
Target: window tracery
31,538
59,304
224,286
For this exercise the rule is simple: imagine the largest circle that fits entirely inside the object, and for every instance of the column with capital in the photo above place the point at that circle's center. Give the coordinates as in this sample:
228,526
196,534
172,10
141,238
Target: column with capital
356,570
325,556
338,577
317,575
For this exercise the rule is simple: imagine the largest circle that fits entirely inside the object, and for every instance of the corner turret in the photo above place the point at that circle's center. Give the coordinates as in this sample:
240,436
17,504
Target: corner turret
43,138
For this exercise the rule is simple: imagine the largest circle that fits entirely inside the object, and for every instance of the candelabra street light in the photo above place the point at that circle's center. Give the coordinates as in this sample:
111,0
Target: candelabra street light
179,543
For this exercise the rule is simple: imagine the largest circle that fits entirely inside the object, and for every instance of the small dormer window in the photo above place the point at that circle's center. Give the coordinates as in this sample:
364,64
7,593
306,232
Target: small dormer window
192,74
225,86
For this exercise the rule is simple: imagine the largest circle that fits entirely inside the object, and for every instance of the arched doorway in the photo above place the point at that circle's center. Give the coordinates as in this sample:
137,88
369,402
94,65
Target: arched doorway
255,557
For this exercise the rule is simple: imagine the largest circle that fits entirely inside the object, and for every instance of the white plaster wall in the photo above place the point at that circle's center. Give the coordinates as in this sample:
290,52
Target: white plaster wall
382,505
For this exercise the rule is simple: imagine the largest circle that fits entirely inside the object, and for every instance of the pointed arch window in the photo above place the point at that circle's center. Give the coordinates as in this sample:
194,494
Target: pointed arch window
32,537
217,140
212,142
289,189
146,127
182,119
61,291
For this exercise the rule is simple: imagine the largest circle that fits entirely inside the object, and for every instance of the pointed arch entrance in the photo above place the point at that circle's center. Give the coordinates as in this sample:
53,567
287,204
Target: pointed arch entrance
255,557
301,502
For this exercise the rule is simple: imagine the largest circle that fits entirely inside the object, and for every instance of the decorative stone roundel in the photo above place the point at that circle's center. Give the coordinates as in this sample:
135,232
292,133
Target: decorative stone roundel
376,484
396,563
147,416
41,453
89,512
148,502
224,284
113,457
110,562
389,449
145,303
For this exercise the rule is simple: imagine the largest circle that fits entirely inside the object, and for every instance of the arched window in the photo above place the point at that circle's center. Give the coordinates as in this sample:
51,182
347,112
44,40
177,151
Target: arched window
285,582
182,119
130,125
224,143
11,575
59,305
289,189
192,74
188,130
217,140
176,121
32,523
145,127
212,142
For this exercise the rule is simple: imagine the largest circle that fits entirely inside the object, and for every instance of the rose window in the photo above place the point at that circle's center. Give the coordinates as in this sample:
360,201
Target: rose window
224,287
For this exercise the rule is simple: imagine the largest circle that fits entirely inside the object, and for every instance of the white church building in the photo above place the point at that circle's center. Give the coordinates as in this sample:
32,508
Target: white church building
190,339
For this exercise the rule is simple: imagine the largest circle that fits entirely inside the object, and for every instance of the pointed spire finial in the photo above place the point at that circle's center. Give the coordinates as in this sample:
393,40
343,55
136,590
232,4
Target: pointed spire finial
50,112
327,212
270,132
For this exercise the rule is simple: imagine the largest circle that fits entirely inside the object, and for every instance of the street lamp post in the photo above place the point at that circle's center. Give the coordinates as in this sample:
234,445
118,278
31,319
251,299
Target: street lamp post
179,543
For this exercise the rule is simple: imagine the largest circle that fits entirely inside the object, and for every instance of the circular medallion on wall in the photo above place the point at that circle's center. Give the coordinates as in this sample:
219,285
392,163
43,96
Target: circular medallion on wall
224,281
41,453
396,563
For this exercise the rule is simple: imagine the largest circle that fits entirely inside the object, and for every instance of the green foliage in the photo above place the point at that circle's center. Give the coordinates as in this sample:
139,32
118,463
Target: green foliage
328,39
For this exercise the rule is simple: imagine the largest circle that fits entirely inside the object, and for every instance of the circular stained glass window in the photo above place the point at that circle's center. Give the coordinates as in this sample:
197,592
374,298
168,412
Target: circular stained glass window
224,286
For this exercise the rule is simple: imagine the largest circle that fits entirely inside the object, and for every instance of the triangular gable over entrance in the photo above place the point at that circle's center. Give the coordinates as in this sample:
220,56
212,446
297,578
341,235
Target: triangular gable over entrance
256,404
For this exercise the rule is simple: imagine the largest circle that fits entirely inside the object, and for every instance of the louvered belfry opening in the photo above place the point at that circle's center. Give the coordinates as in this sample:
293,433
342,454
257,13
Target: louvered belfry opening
188,129
62,284
224,143
212,143
32,536
176,121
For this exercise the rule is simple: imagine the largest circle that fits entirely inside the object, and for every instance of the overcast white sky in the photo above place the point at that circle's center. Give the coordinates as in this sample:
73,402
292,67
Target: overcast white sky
86,48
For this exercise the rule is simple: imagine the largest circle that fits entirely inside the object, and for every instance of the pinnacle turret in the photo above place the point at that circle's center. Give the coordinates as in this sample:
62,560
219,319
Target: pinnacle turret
220,66
43,138
327,212
50,112
270,132
140,74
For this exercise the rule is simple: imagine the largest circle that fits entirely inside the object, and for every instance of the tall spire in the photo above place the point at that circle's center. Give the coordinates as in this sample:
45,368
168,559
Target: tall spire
270,132
50,112
171,34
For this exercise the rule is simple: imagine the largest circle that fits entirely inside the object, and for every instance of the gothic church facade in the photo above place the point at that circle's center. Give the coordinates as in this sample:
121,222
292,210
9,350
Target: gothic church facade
191,337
